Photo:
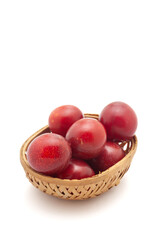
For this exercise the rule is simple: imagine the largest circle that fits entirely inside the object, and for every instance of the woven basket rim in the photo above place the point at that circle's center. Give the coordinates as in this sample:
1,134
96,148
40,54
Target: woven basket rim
84,181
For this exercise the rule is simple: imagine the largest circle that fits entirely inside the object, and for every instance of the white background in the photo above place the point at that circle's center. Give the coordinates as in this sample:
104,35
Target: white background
86,53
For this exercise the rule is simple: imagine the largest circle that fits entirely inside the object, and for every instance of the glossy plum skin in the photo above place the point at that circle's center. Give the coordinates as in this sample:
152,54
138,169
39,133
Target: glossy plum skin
62,118
110,155
49,153
119,120
77,169
87,137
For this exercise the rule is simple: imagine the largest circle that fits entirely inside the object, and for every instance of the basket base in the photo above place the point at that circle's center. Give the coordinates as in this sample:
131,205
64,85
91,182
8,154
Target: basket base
76,192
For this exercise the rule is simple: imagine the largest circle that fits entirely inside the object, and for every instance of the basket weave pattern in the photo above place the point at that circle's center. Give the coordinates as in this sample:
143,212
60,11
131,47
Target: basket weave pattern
84,188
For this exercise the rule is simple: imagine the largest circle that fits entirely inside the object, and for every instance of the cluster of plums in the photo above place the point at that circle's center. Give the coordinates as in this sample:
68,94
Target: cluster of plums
79,147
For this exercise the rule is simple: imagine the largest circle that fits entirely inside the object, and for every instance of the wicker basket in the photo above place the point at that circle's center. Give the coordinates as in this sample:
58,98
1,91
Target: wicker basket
84,188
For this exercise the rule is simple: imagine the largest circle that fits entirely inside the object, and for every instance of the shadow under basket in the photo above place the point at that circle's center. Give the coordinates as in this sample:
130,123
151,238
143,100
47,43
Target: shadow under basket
84,188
